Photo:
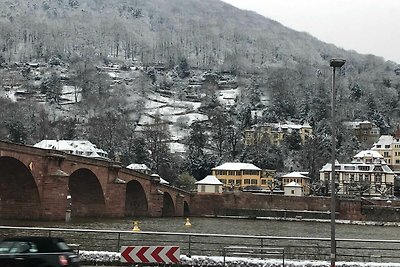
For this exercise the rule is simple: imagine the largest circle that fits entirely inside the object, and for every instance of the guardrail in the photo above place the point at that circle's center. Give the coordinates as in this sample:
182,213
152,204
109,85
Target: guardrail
302,248
253,252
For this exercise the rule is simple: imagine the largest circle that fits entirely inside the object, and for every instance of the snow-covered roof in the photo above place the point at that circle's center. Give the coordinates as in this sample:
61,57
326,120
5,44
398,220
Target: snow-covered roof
368,153
76,147
138,167
162,181
292,184
355,167
356,124
237,166
295,175
210,180
386,140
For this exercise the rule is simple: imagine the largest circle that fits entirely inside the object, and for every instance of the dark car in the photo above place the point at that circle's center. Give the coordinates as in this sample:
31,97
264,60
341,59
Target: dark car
37,251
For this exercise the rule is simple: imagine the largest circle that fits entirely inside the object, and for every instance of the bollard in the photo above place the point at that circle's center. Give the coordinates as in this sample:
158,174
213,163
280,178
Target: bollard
136,226
187,223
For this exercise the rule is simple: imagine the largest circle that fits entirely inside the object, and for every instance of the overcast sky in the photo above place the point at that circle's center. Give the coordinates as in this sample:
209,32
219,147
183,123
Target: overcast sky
366,26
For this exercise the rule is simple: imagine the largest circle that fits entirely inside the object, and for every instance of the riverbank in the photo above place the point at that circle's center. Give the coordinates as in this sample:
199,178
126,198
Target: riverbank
102,258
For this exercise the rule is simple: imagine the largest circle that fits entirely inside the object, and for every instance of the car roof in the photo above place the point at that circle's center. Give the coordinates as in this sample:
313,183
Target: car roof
34,238
43,243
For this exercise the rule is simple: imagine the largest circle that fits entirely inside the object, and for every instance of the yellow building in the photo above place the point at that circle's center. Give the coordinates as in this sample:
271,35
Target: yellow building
268,179
299,178
276,132
389,147
235,176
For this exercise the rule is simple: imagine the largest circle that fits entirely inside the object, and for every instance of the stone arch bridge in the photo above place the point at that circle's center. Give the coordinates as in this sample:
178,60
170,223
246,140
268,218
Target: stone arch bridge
41,184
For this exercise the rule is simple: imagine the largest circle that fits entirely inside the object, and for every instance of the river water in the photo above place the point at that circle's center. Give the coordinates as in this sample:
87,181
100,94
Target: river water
228,226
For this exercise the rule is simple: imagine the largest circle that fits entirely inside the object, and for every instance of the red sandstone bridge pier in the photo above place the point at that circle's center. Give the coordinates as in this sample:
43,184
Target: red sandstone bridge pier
36,184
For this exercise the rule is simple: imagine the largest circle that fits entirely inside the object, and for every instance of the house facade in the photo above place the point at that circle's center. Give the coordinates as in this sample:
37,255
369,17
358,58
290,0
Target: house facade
276,132
366,132
209,185
300,179
235,176
389,147
367,175
293,189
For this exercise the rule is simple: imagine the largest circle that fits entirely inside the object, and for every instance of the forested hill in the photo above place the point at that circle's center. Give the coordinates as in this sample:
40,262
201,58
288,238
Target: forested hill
208,33
121,58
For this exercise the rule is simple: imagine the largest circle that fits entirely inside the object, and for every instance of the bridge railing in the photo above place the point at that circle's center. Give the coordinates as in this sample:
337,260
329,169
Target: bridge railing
304,248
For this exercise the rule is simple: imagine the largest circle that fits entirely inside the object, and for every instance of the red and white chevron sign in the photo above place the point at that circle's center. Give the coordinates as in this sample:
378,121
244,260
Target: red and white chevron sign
150,254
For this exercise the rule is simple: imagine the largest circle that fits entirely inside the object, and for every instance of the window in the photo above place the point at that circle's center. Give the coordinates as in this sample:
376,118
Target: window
238,182
253,181
363,168
378,146
292,192
223,181
246,181
386,154
387,146
203,188
263,182
231,181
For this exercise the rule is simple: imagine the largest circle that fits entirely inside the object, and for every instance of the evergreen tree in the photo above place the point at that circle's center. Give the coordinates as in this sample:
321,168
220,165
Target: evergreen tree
199,162
293,140
52,88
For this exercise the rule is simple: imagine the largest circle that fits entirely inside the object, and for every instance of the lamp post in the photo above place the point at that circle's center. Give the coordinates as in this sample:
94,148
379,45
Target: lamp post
334,63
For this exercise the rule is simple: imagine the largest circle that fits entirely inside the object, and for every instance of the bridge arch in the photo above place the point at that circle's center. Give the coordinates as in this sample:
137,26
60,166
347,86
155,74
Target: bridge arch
168,209
87,196
135,200
19,194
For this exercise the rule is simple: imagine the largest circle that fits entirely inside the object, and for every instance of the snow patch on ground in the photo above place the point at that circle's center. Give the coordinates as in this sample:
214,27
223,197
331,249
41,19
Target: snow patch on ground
104,257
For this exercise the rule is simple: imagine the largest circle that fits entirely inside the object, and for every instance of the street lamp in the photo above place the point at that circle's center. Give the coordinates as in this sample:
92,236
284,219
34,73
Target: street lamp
334,63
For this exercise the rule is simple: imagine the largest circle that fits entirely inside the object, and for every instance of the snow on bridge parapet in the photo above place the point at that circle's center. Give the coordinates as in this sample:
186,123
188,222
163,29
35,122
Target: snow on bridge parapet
108,258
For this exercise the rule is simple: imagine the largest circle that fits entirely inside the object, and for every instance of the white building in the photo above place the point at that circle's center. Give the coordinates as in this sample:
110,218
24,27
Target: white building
368,175
210,184
293,189
299,178
76,147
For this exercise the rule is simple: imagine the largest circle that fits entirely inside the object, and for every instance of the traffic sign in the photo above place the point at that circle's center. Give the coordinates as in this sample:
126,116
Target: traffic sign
150,254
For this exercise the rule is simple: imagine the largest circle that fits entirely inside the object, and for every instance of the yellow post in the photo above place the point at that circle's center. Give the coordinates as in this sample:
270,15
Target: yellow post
136,226
187,223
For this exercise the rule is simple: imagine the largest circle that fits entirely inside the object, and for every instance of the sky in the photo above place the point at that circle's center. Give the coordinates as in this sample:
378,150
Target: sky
366,26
